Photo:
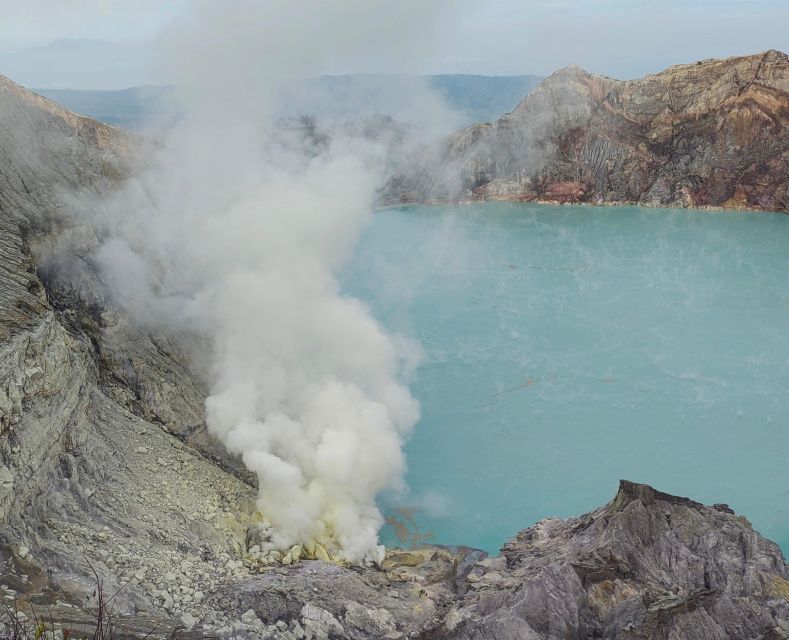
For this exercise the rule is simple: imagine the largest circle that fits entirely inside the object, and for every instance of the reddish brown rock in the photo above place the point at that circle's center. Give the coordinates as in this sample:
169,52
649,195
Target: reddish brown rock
714,133
567,191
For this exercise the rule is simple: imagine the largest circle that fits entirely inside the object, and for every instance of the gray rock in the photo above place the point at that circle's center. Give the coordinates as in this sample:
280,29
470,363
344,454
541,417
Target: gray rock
250,617
189,620
319,624
296,629
647,565
369,622
83,390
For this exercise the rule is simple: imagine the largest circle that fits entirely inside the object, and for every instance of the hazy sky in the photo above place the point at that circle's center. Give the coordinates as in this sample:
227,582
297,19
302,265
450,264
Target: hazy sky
622,38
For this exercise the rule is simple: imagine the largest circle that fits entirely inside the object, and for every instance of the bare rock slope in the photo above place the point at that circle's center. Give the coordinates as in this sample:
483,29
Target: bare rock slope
105,465
713,133
104,458
646,566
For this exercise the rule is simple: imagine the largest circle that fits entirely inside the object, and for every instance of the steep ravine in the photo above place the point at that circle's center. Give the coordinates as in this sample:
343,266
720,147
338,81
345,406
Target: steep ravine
107,466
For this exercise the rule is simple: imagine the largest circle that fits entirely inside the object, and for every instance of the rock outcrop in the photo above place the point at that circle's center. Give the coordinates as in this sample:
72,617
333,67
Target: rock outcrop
646,566
106,467
714,133
105,460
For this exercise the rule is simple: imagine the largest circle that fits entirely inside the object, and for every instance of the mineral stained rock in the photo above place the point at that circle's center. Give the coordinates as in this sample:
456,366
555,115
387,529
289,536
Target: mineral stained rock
714,133
106,466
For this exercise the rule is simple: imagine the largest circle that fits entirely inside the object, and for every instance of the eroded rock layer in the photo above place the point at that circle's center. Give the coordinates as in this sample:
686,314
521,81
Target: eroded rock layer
713,133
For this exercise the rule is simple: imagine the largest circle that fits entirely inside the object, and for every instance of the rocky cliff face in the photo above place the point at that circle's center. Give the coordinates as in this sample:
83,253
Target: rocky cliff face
104,457
647,565
713,133
105,465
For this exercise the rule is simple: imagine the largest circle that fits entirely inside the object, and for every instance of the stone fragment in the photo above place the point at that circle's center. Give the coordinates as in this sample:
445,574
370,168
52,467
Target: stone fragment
375,622
319,624
296,629
250,617
189,620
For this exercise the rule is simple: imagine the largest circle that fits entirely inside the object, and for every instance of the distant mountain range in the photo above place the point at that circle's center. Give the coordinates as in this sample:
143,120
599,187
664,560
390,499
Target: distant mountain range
78,64
115,84
456,100
470,98
131,108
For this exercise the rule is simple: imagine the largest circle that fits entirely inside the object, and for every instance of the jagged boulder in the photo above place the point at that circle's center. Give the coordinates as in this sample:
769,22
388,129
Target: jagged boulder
647,565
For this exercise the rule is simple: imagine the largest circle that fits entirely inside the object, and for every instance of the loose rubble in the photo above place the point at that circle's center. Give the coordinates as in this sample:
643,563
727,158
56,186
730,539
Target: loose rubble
107,474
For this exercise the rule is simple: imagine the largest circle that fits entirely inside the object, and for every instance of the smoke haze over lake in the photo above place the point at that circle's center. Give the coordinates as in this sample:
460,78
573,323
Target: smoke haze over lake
565,348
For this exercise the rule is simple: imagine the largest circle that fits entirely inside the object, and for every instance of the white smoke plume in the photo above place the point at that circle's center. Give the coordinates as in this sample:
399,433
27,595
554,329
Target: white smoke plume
234,233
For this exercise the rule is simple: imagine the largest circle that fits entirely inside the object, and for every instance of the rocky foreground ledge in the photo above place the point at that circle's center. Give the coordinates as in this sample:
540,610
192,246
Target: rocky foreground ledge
647,565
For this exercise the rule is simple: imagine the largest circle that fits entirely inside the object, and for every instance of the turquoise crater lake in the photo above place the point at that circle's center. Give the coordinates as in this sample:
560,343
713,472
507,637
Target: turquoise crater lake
564,348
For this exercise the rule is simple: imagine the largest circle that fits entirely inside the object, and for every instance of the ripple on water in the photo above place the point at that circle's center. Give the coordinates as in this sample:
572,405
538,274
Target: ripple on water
567,347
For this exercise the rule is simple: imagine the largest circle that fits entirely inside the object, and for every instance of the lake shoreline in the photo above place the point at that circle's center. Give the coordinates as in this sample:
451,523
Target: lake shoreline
554,203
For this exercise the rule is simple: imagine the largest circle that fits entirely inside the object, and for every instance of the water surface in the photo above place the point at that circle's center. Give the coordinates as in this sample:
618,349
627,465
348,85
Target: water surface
564,348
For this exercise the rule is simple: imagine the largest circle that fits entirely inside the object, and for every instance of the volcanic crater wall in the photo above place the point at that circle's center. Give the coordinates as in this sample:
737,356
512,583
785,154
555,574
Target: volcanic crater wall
105,464
710,134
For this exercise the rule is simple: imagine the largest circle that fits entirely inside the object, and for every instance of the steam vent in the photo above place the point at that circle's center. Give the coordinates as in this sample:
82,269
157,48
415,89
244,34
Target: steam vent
243,350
